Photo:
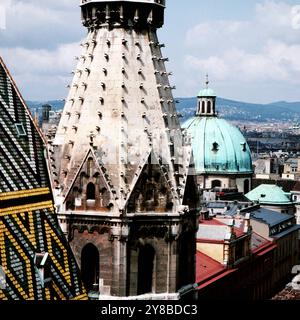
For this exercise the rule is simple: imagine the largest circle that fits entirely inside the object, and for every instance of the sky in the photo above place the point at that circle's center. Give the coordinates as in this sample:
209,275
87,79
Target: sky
249,48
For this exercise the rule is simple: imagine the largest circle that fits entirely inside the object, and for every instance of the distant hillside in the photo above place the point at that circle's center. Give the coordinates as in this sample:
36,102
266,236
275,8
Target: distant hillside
228,109
237,110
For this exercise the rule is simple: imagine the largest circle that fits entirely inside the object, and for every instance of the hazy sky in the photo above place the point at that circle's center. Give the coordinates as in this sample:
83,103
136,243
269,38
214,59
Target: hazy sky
249,48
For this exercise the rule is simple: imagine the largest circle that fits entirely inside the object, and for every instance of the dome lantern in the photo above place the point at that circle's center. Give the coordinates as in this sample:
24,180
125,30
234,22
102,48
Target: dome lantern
206,105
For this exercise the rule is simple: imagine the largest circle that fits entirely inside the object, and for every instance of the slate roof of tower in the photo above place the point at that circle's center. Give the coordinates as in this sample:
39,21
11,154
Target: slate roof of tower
28,224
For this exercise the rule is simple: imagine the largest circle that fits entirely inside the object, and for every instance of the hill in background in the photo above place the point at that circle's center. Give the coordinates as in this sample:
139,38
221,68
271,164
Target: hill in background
228,109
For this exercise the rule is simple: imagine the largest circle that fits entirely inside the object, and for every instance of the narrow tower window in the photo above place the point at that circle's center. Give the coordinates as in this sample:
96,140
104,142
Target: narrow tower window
209,107
203,107
145,269
90,266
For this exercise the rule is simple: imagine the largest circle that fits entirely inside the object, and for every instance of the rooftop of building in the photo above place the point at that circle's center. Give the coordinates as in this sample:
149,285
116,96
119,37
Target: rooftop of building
207,92
218,146
207,267
270,194
209,270
28,224
218,229
286,185
270,217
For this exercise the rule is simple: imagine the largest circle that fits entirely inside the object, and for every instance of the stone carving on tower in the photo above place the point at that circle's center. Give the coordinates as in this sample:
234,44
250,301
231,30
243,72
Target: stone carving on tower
120,165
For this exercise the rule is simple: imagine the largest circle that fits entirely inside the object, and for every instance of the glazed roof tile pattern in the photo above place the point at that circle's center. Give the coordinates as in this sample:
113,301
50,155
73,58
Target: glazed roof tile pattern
28,224
218,146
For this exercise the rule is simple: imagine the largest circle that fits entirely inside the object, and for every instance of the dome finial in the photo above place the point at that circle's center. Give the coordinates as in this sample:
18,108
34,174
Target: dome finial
207,81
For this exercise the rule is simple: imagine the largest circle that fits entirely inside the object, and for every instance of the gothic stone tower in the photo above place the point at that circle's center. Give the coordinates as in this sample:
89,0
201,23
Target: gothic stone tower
125,197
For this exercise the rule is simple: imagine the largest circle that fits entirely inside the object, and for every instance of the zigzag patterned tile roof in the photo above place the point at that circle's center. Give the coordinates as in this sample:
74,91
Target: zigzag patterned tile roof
36,261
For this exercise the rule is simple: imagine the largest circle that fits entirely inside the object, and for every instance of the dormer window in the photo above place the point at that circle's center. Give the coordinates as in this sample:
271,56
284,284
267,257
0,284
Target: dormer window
215,147
243,144
42,262
20,130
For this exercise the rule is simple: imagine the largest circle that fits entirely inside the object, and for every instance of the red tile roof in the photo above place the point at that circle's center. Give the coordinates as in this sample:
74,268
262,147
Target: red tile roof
212,222
206,267
209,270
264,247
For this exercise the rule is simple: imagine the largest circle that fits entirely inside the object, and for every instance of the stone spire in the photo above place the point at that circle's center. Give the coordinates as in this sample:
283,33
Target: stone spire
119,156
120,108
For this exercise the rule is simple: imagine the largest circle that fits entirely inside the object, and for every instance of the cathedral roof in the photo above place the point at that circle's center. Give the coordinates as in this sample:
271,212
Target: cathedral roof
30,238
218,146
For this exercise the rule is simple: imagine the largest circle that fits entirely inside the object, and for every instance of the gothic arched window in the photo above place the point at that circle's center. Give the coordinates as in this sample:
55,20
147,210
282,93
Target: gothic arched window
90,191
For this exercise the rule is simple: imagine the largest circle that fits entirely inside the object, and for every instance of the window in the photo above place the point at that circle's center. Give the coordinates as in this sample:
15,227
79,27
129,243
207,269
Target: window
90,191
208,107
203,107
145,269
246,186
42,263
216,184
20,130
215,146
90,267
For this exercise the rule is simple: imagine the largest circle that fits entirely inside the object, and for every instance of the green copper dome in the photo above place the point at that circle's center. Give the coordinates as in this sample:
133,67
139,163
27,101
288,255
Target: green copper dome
218,146
270,194
206,93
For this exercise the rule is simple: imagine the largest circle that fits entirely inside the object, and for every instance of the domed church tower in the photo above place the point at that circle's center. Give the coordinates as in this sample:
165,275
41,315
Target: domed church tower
125,197
221,153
